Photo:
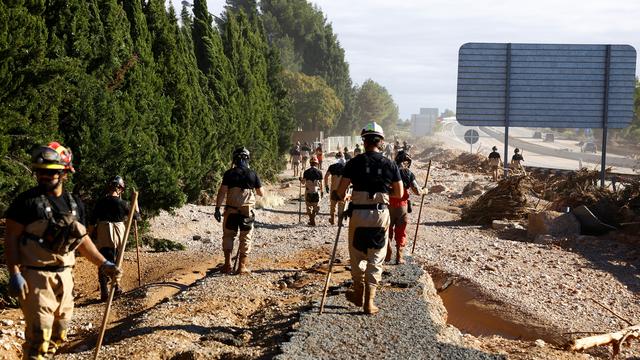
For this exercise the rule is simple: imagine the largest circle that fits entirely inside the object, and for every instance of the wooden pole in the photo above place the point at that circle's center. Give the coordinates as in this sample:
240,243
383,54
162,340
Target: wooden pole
415,236
105,318
300,203
333,258
135,232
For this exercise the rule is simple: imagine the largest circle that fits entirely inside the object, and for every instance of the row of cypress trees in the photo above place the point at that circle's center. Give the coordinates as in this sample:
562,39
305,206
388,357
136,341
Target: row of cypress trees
134,89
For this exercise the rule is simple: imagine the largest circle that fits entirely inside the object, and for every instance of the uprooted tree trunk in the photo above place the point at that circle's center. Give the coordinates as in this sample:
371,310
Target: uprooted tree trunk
615,338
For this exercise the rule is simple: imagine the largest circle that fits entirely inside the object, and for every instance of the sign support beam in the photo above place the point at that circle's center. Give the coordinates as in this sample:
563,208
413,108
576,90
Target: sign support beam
605,116
507,95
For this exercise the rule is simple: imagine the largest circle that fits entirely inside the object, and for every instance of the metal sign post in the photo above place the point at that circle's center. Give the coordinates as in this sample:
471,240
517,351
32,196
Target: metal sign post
471,137
605,116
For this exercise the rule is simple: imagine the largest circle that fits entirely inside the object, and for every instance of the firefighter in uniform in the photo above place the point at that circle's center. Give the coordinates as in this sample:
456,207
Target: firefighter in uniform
305,151
375,179
399,209
357,150
239,187
45,225
333,176
347,154
320,155
312,180
296,158
108,220
517,160
495,162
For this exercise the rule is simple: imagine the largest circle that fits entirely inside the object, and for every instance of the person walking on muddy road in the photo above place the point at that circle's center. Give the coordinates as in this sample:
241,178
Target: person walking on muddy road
312,180
44,228
319,155
238,191
399,208
305,151
516,162
333,176
375,179
357,150
108,221
495,162
347,154
296,158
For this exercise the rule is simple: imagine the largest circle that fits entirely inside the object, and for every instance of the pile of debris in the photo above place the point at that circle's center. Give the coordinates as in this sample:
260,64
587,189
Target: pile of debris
583,188
436,153
470,162
508,200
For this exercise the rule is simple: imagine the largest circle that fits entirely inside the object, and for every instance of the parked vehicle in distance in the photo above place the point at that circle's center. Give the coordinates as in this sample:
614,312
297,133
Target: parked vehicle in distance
588,147
537,135
549,137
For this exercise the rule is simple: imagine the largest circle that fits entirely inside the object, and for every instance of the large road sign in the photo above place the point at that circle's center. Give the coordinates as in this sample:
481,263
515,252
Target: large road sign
471,136
546,85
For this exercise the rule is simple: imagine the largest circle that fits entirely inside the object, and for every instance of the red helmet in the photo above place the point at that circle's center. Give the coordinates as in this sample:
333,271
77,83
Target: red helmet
66,157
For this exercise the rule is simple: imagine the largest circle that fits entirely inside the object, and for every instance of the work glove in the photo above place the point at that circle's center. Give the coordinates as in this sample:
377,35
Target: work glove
112,271
18,286
217,215
326,189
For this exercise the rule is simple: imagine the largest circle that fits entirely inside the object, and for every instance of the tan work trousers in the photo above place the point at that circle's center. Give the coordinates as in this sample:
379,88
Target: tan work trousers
367,265
47,311
232,224
332,208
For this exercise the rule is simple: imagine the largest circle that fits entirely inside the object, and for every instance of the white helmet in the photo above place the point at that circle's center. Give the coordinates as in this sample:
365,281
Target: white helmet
372,128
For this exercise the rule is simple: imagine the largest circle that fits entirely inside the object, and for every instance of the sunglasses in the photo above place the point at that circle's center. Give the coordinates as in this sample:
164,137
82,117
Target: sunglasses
49,172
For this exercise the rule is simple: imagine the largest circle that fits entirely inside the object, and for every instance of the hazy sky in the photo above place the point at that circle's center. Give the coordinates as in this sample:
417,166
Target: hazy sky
411,46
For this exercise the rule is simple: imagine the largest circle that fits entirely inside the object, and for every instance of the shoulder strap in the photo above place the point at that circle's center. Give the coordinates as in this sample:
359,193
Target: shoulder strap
73,204
45,205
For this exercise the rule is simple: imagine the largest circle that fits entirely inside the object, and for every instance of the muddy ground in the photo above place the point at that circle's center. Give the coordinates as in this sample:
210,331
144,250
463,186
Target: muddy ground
504,295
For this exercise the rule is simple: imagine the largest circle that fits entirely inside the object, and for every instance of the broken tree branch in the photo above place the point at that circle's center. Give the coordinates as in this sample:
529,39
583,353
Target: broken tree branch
616,339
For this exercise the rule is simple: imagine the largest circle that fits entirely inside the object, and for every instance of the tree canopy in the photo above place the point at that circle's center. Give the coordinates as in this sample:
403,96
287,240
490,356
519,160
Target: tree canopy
373,102
315,104
134,93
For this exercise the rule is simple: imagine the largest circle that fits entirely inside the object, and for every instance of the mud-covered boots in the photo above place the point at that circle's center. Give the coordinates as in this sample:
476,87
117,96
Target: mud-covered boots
399,255
355,294
369,296
226,268
242,266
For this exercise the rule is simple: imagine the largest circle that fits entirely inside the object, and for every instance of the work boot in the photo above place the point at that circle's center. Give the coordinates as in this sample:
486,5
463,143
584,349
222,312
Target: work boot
399,257
242,266
226,268
312,221
370,294
387,258
355,294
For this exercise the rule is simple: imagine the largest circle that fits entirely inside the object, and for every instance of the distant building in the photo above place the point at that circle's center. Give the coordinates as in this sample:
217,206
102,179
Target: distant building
424,124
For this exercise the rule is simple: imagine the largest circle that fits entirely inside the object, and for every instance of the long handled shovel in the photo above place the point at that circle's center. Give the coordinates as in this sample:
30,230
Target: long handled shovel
333,258
134,206
415,236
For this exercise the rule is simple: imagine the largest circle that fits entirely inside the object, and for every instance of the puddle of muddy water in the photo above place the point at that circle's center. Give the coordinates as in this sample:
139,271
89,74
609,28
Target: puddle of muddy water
471,312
